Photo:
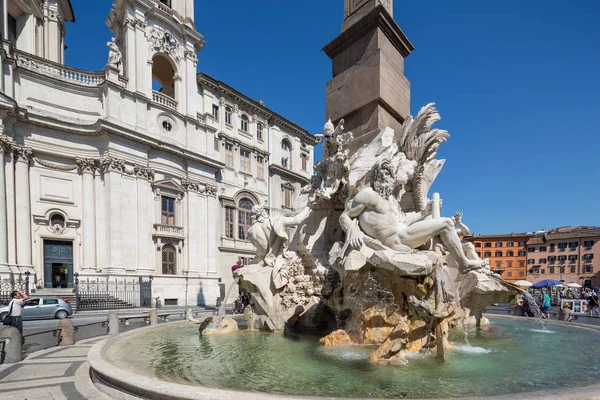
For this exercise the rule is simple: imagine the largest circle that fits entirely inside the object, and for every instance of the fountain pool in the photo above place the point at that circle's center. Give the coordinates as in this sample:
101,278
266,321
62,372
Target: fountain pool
506,357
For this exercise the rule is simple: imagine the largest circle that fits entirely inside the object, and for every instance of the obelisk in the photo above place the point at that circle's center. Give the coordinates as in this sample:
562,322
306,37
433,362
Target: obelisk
369,89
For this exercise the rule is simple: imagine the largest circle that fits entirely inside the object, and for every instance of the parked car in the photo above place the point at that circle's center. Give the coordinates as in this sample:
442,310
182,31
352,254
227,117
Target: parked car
42,307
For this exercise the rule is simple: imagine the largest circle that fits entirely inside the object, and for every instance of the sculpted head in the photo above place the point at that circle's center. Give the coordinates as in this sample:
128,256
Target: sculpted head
260,211
383,177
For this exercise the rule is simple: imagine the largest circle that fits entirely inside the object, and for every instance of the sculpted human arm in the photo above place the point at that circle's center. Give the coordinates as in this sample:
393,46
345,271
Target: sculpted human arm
353,209
464,230
297,219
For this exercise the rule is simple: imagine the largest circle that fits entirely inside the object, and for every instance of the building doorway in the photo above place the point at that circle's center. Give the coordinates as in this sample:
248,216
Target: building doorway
58,264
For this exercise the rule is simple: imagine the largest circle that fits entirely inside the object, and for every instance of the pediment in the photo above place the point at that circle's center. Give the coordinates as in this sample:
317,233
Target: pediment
168,184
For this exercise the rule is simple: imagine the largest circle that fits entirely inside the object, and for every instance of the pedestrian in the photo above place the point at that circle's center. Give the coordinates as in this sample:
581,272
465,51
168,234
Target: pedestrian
545,308
594,303
565,313
15,308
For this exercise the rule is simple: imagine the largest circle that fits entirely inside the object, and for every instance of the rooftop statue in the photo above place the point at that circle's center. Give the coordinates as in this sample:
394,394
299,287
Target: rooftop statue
114,54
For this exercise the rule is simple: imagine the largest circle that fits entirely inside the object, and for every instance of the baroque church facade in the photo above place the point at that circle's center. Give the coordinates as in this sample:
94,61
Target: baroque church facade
102,176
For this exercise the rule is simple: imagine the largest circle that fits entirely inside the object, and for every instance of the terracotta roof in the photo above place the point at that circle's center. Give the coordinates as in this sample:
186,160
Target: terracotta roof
500,235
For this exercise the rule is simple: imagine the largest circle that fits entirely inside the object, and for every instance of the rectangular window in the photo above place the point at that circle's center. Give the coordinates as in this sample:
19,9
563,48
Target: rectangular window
259,131
287,197
542,261
543,271
521,273
487,254
572,269
509,274
588,257
498,244
572,257
588,243
562,270
245,161
244,123
12,29
228,115
260,167
50,301
509,264
521,243
551,247
229,213
498,254
521,253
229,154
284,162
530,261
551,269
573,245
543,248
588,269
510,244
531,249
167,210
215,112
562,246
521,263
562,258
304,158
498,264
510,253
488,245
477,244
552,259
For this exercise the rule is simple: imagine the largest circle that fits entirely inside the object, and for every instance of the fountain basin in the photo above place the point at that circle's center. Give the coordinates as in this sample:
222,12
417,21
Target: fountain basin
512,357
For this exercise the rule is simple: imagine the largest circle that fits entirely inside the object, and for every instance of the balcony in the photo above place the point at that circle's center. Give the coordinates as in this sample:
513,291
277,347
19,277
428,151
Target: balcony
164,100
168,231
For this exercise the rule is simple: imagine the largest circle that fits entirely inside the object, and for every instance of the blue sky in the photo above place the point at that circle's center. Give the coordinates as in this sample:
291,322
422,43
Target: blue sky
517,84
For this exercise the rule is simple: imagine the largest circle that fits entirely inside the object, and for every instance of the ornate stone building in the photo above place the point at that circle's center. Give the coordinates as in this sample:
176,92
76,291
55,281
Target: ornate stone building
101,175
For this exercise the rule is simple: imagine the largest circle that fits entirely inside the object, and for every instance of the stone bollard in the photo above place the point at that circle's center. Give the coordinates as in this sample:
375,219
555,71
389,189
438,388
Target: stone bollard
113,323
189,315
12,349
153,317
67,333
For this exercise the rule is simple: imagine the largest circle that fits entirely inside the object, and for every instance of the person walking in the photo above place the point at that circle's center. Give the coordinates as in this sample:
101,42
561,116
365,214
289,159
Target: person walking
594,303
545,308
16,309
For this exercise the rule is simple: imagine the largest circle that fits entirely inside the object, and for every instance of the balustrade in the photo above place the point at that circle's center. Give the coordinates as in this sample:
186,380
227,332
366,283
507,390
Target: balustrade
58,71
164,100
168,230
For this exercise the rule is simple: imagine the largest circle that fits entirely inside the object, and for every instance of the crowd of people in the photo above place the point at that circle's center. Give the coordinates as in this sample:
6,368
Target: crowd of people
544,300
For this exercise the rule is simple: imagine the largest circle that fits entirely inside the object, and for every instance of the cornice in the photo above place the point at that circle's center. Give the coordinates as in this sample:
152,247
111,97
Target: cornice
286,173
223,136
255,107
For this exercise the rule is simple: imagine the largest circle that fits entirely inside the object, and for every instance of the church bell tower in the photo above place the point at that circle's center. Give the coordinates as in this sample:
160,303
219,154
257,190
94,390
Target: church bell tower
159,43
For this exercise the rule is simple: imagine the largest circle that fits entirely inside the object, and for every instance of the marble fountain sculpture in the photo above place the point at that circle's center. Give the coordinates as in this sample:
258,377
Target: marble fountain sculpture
369,257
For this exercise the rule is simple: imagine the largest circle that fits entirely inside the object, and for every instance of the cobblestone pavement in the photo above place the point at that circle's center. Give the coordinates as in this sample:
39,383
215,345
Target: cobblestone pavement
48,374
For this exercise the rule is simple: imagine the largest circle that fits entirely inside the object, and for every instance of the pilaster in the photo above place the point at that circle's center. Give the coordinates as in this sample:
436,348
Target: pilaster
88,170
23,210
112,170
4,148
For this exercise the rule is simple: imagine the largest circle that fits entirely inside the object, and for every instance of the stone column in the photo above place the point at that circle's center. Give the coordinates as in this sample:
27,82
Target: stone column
88,240
4,146
23,206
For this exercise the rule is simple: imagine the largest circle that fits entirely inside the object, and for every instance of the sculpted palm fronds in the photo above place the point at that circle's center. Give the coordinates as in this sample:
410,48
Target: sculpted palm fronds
417,140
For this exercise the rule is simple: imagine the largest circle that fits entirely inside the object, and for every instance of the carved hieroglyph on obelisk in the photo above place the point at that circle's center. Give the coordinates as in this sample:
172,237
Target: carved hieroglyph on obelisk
369,89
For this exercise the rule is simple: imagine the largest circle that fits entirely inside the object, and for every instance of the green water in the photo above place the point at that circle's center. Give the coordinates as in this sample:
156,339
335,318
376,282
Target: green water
504,357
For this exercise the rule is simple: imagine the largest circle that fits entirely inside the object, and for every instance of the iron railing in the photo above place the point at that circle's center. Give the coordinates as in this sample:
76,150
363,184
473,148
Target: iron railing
14,282
112,293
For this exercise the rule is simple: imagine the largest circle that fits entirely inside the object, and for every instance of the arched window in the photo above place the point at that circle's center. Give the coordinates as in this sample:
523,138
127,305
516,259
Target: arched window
244,218
286,150
228,115
169,260
244,123
259,131
163,76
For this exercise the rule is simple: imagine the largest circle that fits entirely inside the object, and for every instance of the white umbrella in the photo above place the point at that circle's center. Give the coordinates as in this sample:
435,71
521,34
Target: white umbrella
573,284
522,283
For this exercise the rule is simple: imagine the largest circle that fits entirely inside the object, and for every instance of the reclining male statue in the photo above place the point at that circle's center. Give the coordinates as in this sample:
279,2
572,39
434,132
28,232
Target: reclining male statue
373,217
